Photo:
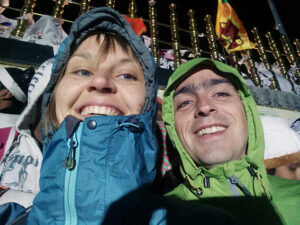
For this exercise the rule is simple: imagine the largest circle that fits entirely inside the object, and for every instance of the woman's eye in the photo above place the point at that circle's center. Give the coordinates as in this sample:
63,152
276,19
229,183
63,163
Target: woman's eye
127,76
83,73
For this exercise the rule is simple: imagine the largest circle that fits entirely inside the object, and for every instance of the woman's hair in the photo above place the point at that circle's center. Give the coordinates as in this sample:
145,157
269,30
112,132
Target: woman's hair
50,122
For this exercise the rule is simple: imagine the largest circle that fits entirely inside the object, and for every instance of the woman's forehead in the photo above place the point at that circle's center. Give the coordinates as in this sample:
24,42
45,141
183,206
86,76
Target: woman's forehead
98,45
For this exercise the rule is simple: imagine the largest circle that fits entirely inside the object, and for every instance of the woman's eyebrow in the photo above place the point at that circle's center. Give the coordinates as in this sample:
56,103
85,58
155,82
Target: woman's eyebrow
84,55
192,88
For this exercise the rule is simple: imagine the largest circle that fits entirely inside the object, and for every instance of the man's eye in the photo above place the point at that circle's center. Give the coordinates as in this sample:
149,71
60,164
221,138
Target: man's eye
83,73
183,104
127,76
222,94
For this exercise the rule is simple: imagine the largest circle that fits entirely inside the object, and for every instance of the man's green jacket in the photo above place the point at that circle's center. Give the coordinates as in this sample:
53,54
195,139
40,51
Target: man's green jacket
241,187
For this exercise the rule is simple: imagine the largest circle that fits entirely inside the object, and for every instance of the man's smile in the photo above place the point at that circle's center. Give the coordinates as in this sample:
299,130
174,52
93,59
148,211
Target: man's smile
210,130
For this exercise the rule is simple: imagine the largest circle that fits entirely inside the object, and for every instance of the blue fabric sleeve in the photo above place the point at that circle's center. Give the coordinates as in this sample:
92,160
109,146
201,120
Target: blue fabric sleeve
9,211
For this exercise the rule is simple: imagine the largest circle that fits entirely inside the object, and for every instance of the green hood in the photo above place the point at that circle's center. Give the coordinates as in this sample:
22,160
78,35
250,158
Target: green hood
255,153
265,193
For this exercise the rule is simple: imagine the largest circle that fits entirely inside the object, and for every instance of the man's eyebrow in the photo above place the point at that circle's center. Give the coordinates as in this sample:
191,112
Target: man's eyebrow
213,82
190,88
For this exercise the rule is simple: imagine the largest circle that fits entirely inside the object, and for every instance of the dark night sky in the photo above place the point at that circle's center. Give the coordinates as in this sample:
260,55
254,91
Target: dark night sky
255,13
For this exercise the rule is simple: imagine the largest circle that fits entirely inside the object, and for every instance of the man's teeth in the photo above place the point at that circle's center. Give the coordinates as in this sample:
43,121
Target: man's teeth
103,110
210,130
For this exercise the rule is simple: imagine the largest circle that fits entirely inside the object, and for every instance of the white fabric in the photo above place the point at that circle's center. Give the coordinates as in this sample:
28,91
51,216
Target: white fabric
46,31
11,85
8,120
36,88
24,199
291,73
264,74
280,139
6,29
20,166
19,169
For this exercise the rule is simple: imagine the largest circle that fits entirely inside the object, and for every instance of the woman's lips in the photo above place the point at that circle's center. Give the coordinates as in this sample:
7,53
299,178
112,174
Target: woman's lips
99,110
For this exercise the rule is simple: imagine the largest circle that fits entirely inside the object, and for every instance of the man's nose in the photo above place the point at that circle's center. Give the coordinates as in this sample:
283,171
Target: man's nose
102,83
204,107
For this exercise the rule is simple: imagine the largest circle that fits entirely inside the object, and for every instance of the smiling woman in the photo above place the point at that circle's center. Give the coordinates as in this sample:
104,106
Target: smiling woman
98,115
102,77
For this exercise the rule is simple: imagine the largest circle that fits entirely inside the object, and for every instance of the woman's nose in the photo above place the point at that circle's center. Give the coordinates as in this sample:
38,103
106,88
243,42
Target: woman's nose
102,83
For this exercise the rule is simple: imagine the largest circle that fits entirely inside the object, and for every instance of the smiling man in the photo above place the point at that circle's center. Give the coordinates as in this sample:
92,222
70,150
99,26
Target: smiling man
215,127
209,116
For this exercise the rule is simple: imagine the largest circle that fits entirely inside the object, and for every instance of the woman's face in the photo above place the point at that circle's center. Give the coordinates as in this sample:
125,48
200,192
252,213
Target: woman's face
97,85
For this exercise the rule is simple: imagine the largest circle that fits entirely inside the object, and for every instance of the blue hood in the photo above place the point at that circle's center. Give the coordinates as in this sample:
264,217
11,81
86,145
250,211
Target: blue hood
104,19
90,165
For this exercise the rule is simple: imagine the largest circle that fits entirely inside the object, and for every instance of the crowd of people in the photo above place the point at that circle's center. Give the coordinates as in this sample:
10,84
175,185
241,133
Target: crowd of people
86,140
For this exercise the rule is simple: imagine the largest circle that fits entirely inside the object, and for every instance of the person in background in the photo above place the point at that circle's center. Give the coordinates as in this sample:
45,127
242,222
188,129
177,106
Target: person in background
282,147
13,89
296,126
289,171
213,122
21,163
14,84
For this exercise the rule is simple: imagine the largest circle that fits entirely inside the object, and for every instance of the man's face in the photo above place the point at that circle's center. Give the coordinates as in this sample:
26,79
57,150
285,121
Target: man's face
97,85
291,171
210,120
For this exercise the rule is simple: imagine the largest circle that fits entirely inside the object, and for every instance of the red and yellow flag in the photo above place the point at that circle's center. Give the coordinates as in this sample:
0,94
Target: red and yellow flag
230,30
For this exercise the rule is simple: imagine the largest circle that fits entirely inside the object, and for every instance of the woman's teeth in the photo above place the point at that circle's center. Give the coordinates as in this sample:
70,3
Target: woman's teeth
99,110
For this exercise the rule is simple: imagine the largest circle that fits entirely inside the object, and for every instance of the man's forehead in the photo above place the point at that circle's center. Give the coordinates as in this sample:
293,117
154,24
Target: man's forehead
202,75
203,79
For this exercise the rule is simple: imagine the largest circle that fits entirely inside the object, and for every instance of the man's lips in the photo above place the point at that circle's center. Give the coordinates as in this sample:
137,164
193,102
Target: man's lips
210,129
99,110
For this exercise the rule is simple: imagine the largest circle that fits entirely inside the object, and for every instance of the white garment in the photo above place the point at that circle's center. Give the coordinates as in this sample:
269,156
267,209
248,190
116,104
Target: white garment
46,31
6,26
20,165
8,120
280,139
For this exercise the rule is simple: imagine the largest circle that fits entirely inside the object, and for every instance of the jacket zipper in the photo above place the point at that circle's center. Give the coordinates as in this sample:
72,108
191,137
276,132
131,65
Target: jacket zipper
70,178
235,184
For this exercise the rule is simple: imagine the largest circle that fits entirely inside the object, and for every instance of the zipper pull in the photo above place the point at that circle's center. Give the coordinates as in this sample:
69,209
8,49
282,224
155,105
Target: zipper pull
235,180
70,162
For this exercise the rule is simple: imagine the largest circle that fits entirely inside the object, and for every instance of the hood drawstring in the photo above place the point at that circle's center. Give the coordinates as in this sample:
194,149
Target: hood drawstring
233,181
264,188
133,125
198,188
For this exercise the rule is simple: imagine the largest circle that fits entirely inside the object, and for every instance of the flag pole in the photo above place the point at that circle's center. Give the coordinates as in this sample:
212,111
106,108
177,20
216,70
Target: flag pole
278,22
